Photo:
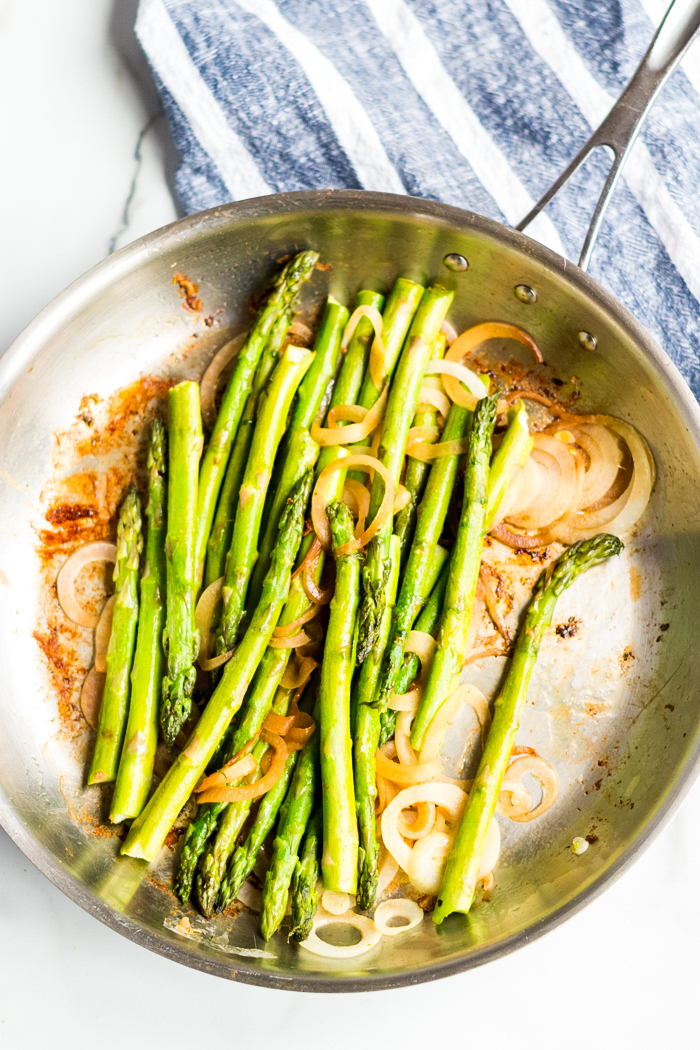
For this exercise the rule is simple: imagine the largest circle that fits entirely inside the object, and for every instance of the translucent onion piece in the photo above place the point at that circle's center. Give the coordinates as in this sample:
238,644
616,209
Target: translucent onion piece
388,868
517,540
427,861
214,788
356,495
301,330
491,600
455,375
400,774
428,395
203,614
210,379
310,558
421,449
423,645
399,908
386,791
91,697
423,823
472,338
280,724
370,936
250,896
449,798
523,490
547,776
463,694
294,642
623,513
557,493
65,582
318,502
405,753
605,459
298,673
449,331
287,630
336,902
241,767
372,314
403,497
102,634
514,799
326,436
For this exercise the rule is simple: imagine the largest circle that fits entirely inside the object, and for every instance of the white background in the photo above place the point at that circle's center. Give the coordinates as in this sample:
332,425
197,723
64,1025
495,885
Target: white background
624,973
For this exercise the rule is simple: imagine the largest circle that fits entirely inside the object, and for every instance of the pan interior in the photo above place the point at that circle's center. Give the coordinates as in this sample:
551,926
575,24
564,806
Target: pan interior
613,708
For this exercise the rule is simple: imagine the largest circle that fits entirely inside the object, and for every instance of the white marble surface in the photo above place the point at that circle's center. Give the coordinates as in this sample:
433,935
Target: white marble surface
623,973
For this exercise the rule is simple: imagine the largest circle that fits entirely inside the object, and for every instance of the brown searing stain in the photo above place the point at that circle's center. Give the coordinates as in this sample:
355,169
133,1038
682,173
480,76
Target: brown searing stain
64,675
568,629
635,583
87,402
626,659
187,290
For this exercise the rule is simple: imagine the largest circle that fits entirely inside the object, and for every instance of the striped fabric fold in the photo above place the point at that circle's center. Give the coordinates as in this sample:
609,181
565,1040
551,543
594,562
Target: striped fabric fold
478,103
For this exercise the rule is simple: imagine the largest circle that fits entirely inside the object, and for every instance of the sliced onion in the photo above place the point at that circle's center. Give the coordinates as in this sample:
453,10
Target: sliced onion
91,697
214,788
370,936
455,375
605,459
336,902
250,896
301,330
399,908
386,791
334,435
425,451
472,338
287,630
449,798
518,540
423,645
449,331
203,614
388,868
233,770
403,498
463,694
400,774
428,395
279,724
103,632
405,753
295,641
372,314
514,799
318,502
492,604
427,861
482,654
210,379
65,582
547,776
423,823
298,673
557,490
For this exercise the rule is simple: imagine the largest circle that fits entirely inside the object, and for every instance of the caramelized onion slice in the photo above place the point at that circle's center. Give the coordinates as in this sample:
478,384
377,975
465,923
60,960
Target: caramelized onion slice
288,630
334,435
214,788
318,502
91,697
65,582
102,635
454,375
423,645
463,694
547,776
400,774
399,908
210,380
297,673
203,614
403,498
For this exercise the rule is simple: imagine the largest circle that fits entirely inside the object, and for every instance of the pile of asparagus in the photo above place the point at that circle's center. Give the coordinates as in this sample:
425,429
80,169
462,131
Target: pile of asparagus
238,513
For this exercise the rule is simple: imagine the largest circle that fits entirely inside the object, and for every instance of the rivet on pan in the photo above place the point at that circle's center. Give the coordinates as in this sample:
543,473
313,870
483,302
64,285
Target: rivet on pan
588,341
525,294
456,263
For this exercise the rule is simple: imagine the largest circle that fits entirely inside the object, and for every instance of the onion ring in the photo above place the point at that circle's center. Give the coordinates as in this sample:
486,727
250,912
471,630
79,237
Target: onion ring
296,676
65,581
287,630
214,788
423,645
208,600
464,693
318,502
102,634
209,381
370,936
547,776
336,902
333,435
399,908
91,697
407,775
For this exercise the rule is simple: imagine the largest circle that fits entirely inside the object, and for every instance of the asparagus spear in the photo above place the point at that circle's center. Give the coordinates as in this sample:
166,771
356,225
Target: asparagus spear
138,754
340,840
367,729
269,428
219,539
400,409
150,828
305,878
264,696
300,451
416,474
244,858
428,623
180,639
120,652
464,572
511,454
462,869
283,293
294,816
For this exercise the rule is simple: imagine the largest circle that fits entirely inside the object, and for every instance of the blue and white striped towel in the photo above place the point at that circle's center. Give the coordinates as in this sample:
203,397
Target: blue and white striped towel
477,103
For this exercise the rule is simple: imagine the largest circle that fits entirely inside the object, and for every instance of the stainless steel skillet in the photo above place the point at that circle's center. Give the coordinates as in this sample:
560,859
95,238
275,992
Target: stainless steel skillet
615,708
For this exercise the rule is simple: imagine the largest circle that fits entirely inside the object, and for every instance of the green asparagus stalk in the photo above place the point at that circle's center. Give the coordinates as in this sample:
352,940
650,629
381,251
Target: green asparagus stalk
366,742
120,652
416,474
464,573
299,451
510,455
283,293
305,879
269,428
219,540
138,754
150,828
462,869
340,839
428,623
243,860
180,639
294,817
400,410
265,695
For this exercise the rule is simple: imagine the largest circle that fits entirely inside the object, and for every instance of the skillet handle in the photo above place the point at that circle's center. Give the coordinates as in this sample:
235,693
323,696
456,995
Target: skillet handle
619,130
